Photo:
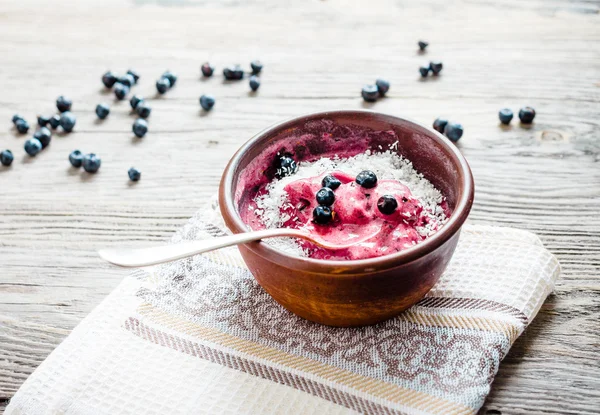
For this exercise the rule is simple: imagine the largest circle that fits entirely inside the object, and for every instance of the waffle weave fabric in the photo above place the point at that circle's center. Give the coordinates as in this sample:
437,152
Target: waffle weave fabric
200,336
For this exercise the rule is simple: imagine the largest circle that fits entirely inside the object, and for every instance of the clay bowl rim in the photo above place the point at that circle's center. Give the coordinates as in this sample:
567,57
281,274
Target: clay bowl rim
343,268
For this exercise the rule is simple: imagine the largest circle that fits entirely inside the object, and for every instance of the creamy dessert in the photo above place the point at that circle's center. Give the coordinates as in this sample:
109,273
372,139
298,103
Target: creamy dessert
374,198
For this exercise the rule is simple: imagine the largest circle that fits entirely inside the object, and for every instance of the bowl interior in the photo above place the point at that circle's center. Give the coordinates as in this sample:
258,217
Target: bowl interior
349,133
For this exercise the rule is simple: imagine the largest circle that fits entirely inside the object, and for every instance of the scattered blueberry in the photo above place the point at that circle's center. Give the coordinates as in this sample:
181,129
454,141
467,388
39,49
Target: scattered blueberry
54,121
140,127
121,91
43,121
439,124
16,118
44,135
254,82
387,204
436,67
33,146
127,80
366,179
91,163
171,77
526,115
287,166
256,67
135,101
134,174
453,131
207,69
76,158
134,74
6,158
109,79
423,45
22,126
325,196
505,115
322,215
207,102
331,182
67,121
424,70
383,86
143,109
233,72
63,104
102,110
370,93
163,85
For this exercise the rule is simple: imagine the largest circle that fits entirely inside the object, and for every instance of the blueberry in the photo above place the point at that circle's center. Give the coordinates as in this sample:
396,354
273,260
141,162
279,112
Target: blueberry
366,179
44,135
526,115
505,115
102,110
286,167
256,67
76,158
63,104
439,124
322,215
135,101
22,126
134,74
6,158
423,45
42,120
331,182
121,91
207,102
54,121
453,131
171,77
387,204
233,72
67,121
207,69
140,127
370,93
325,196
254,82
134,174
16,118
383,86
436,67
127,80
91,163
143,109
162,85
109,79
33,146
424,70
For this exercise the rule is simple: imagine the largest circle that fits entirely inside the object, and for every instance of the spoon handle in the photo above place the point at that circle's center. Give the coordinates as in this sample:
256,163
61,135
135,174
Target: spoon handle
158,254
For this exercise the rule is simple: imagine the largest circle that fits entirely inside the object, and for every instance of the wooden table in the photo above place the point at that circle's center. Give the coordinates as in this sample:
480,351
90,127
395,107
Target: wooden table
317,55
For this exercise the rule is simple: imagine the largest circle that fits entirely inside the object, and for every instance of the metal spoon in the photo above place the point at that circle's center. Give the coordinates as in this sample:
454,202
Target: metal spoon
165,253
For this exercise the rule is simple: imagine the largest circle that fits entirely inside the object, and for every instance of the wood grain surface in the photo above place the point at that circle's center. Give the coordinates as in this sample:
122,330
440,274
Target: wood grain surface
317,54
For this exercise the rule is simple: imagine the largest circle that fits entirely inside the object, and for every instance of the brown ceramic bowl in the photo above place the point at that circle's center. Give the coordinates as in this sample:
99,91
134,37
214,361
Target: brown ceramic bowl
353,292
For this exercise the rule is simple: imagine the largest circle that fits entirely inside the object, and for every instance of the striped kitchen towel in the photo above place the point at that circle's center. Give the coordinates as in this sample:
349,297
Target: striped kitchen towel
200,336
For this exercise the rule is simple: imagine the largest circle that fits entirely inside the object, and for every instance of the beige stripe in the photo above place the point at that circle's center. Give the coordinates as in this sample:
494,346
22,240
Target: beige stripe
425,318
374,387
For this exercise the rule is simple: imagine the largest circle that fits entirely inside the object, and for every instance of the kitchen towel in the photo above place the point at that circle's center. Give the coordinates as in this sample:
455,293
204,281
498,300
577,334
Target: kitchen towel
200,336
